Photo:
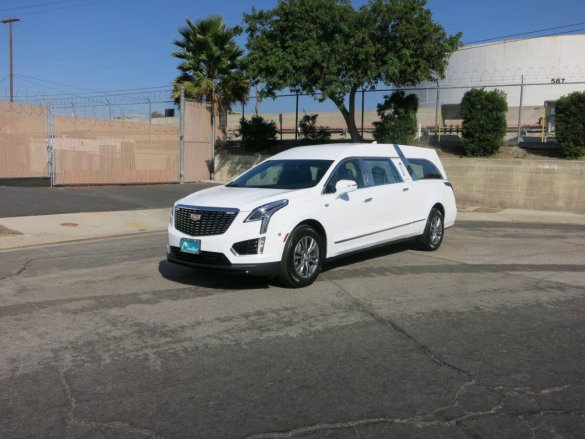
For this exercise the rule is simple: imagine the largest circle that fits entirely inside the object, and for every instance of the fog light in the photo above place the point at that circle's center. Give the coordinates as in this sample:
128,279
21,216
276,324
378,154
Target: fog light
261,245
249,247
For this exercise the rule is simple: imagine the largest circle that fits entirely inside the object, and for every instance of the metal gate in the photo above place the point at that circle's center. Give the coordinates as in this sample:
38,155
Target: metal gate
197,158
99,151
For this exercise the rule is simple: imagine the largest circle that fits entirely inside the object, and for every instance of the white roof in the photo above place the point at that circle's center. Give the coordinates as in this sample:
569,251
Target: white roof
335,151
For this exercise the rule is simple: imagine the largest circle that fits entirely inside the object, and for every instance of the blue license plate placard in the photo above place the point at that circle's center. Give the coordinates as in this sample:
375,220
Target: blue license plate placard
192,246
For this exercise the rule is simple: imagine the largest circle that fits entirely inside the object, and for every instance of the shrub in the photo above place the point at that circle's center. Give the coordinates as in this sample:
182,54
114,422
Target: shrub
257,134
310,130
484,121
570,124
397,119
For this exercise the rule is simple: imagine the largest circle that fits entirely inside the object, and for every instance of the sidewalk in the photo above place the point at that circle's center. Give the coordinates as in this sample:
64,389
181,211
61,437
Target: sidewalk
28,231
48,229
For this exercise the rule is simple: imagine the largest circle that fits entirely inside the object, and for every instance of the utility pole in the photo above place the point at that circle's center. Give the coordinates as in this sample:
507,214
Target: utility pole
9,22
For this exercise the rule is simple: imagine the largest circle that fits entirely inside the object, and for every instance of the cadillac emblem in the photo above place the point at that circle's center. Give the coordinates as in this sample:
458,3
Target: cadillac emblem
195,216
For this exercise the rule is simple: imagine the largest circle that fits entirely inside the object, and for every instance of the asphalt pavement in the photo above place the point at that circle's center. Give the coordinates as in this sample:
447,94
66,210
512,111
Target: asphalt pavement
18,201
104,338
480,339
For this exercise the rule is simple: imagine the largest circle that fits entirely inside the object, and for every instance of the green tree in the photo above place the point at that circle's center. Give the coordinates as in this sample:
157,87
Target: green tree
484,121
327,47
210,63
397,119
570,124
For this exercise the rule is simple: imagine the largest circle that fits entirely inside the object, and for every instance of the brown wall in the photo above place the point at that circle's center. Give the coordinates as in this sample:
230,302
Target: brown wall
549,185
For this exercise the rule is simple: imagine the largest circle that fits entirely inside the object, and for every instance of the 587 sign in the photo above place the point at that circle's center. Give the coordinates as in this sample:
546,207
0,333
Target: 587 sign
557,80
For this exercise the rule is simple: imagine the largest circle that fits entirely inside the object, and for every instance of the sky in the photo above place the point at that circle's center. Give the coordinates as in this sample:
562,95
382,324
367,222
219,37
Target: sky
79,48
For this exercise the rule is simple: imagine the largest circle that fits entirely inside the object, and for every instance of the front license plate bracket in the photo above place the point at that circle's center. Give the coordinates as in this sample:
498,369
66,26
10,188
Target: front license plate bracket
192,246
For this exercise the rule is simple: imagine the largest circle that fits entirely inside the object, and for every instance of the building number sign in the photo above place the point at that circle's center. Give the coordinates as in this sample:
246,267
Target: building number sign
557,80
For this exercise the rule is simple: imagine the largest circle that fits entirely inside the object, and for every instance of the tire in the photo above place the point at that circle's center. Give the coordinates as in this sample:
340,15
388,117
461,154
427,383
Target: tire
432,237
302,258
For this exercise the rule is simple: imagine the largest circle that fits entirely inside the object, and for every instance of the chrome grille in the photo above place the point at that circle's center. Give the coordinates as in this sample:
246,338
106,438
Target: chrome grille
203,221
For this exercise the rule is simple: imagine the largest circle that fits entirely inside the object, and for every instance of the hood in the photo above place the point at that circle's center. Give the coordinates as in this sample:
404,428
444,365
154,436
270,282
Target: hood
244,199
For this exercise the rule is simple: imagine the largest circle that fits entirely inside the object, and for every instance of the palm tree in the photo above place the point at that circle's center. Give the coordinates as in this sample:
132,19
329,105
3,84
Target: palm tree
210,66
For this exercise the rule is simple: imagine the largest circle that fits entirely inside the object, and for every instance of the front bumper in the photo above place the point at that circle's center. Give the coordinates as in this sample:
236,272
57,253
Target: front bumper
221,252
219,262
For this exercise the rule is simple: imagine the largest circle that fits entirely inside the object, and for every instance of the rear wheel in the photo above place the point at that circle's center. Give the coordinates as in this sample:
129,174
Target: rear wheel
302,258
432,237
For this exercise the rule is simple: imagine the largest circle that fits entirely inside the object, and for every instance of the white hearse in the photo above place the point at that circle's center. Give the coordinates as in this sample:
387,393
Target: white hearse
287,215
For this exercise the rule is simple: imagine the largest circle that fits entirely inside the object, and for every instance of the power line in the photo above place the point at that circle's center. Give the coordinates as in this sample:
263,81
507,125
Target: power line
36,5
525,33
121,92
57,83
49,9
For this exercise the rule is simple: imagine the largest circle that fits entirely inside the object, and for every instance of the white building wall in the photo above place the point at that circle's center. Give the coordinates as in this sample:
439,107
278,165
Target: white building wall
544,60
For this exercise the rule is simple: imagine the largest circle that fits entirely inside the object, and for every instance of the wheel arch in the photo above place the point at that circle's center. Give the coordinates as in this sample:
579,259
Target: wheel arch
319,229
440,208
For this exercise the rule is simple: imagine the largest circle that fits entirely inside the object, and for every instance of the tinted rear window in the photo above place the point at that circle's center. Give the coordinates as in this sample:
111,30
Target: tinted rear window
424,169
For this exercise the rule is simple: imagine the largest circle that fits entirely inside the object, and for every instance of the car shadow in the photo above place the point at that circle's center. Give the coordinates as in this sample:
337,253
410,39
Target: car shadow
234,281
211,279
365,255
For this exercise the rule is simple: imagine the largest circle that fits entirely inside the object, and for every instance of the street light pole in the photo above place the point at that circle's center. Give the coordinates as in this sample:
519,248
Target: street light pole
9,22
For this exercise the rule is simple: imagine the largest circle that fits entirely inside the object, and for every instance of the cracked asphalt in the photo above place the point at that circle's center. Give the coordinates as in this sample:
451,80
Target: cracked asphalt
483,339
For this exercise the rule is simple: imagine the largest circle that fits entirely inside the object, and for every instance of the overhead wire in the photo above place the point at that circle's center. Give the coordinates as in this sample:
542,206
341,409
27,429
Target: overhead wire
526,33
78,5
34,5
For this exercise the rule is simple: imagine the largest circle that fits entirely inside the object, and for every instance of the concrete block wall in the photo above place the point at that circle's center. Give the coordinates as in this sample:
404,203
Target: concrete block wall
553,185
549,185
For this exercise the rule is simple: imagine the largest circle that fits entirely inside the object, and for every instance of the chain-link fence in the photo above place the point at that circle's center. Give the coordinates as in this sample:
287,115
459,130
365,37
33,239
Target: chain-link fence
118,139
530,117
144,137
23,141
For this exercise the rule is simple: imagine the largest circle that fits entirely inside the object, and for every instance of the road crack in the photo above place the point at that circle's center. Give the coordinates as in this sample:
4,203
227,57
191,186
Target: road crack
434,357
74,420
421,421
21,270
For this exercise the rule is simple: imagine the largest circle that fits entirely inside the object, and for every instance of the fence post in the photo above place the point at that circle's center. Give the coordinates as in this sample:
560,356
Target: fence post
363,93
149,111
182,135
212,176
520,109
437,115
50,147
297,119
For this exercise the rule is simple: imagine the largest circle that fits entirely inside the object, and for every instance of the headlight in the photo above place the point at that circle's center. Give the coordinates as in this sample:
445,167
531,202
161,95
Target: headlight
264,213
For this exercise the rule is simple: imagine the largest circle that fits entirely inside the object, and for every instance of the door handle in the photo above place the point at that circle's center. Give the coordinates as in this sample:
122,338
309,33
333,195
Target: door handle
405,189
367,200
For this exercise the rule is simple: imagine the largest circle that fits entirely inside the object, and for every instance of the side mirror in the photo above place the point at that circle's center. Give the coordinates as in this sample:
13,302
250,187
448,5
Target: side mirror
345,186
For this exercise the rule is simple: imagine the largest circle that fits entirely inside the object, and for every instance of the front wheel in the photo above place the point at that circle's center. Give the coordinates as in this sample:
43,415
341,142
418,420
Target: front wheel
432,237
302,258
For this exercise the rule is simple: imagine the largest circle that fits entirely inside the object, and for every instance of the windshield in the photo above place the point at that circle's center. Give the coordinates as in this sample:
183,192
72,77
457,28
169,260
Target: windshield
284,174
